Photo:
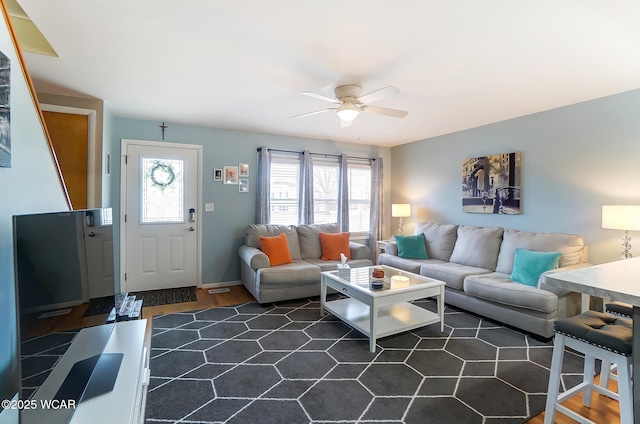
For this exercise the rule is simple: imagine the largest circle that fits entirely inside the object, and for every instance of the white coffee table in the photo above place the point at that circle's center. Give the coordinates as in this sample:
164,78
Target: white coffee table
381,313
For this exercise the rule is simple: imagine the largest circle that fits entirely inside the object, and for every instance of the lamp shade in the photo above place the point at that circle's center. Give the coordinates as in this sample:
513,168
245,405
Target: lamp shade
621,217
400,210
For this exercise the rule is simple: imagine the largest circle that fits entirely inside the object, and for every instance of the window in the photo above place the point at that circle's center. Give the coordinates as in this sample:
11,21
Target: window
359,197
326,179
285,189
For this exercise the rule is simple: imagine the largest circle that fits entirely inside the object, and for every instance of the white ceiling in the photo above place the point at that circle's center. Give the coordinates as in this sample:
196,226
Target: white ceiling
242,64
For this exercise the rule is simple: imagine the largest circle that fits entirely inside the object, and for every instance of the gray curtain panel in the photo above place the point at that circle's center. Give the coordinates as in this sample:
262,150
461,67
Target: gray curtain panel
343,195
376,225
305,207
263,206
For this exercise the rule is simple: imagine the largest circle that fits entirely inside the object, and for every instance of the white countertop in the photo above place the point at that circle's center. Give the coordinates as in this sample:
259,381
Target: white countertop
619,280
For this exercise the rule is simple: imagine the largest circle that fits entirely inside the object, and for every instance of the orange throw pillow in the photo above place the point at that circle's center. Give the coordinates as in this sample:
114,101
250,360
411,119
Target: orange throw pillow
333,245
277,249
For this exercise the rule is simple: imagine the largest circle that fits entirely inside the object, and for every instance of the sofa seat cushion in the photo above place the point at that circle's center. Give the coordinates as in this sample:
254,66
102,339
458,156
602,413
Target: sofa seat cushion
410,265
477,246
497,287
571,246
297,272
451,273
332,265
255,231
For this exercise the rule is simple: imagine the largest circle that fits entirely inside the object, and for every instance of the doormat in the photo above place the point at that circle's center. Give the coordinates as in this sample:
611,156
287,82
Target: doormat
103,305
285,363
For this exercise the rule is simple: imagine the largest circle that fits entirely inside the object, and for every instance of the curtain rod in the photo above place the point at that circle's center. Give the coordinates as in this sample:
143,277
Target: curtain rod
316,154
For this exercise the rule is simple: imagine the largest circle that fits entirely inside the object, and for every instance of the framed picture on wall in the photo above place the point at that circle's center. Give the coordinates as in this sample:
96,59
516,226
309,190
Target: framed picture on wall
491,184
243,186
230,175
243,170
217,175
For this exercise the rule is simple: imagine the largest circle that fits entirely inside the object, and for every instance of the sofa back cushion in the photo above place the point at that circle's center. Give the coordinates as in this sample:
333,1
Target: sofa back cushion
439,239
255,231
570,245
477,246
309,236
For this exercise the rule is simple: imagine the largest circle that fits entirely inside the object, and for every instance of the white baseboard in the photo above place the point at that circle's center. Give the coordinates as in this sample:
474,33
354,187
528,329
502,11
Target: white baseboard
221,284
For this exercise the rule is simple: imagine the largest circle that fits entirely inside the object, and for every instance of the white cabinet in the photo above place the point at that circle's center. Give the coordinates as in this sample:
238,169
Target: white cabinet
125,403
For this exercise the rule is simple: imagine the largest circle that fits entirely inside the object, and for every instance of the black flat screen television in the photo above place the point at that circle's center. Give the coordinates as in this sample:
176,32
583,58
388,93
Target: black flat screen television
62,260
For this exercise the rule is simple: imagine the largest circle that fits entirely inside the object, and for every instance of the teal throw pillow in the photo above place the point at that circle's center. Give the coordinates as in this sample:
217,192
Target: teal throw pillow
528,265
411,247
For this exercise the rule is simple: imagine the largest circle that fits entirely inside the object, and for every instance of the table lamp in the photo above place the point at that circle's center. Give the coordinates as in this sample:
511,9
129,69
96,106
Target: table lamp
400,210
622,217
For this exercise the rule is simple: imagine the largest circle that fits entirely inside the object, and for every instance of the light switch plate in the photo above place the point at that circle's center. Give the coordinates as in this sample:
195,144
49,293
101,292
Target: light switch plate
208,207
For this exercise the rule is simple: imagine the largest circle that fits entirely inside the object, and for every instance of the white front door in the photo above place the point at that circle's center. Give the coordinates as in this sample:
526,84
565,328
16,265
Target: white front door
161,216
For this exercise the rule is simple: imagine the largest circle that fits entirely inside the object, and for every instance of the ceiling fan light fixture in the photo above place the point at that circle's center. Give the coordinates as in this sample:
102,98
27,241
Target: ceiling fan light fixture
348,112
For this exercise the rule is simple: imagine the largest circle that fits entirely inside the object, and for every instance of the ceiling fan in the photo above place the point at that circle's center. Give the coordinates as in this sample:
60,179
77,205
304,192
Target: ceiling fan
351,102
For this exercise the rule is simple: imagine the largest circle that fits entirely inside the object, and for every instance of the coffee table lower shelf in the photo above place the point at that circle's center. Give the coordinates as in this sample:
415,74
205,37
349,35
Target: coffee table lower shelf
391,319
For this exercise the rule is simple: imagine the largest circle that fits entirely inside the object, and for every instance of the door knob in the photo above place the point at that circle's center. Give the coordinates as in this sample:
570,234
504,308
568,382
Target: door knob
191,229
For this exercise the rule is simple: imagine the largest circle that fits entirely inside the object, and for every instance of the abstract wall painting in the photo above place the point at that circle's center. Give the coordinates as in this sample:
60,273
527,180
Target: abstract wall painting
5,115
491,184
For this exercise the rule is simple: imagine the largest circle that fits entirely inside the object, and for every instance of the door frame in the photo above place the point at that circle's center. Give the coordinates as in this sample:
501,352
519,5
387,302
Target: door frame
94,159
123,203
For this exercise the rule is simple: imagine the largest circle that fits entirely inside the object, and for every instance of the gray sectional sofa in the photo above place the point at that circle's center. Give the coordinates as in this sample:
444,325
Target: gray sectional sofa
476,264
301,278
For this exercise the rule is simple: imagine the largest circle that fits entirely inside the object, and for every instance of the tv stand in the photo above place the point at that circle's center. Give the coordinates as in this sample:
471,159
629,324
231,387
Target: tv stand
125,403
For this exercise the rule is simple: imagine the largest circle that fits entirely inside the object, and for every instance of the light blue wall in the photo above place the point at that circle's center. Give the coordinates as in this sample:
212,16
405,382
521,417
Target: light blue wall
224,229
30,185
574,160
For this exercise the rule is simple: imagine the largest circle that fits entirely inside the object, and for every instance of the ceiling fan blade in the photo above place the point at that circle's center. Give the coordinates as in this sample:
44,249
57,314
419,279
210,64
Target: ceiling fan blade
385,111
320,97
311,113
378,94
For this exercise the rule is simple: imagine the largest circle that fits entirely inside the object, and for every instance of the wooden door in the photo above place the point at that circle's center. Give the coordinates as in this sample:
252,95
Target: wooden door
69,137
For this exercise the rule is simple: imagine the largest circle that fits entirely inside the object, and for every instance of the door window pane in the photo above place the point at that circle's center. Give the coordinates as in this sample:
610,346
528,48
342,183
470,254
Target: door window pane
162,190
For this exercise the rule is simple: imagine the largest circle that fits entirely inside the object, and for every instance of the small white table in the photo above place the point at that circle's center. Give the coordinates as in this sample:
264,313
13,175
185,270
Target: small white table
618,280
381,313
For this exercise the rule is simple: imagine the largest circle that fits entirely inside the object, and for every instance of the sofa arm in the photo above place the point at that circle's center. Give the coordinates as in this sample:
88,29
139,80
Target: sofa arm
391,248
253,257
359,251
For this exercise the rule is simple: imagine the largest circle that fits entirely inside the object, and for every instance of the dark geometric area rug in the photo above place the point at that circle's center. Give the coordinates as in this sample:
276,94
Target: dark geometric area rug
283,363
103,305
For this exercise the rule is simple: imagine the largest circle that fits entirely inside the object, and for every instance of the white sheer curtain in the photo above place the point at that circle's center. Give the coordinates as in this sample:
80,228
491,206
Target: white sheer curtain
376,225
263,204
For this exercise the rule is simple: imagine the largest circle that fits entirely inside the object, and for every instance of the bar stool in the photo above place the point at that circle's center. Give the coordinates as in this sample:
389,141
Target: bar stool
596,335
623,310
